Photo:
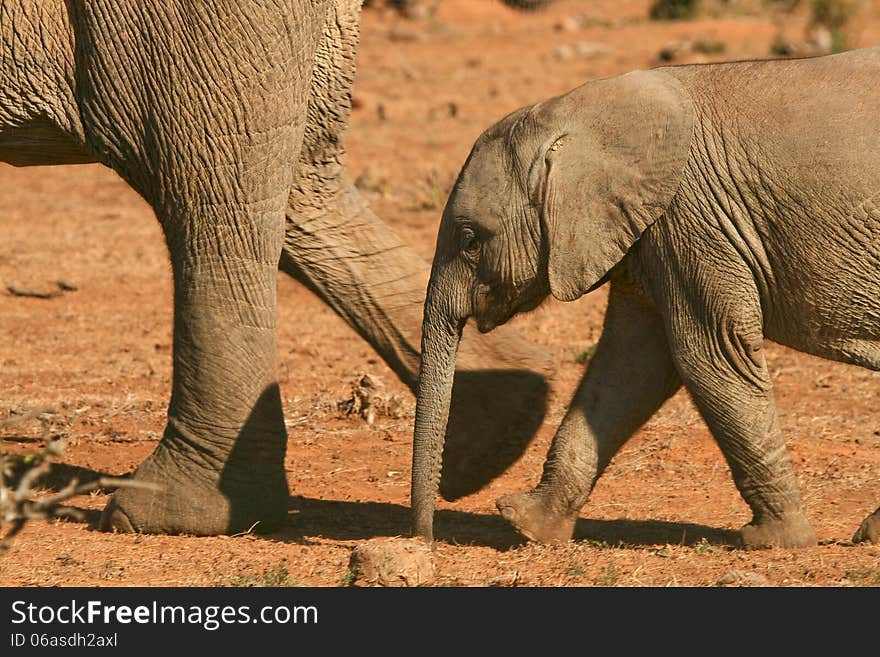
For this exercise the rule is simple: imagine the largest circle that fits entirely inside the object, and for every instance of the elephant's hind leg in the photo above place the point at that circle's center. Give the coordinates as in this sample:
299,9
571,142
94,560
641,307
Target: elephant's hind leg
629,377
716,338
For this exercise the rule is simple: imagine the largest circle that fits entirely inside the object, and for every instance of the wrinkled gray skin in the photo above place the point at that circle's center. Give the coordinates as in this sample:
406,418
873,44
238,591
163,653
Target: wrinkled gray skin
228,118
724,203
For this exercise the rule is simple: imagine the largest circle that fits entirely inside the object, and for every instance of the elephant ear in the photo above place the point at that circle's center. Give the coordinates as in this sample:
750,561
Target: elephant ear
610,170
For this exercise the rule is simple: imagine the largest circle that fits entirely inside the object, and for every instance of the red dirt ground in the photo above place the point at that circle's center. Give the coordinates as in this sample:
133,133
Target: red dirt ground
661,515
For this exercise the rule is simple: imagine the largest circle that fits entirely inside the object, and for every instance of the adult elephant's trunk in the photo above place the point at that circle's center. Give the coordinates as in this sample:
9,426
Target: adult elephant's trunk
441,333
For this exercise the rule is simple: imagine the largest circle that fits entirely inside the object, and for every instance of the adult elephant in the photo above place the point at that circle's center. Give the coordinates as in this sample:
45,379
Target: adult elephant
228,117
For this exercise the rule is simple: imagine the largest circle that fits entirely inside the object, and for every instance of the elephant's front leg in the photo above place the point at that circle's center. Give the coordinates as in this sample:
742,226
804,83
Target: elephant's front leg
629,377
210,137
221,459
869,530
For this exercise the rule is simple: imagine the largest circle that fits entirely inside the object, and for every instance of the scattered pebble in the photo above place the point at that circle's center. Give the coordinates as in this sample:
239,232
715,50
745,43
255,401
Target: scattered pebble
509,579
742,578
568,24
581,50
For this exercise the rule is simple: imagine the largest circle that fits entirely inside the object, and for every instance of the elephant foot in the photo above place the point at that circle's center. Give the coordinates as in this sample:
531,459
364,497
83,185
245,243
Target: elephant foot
792,531
192,502
528,513
869,531
499,400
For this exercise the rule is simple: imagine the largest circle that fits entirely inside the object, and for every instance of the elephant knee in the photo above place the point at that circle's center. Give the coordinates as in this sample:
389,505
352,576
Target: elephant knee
742,348
728,354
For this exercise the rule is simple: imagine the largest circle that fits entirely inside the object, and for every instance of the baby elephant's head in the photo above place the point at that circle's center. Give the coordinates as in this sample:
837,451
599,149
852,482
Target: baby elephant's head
549,200
553,196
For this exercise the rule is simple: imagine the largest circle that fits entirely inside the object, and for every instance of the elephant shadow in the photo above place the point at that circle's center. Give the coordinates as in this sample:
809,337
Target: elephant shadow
489,432
354,521
348,521
643,533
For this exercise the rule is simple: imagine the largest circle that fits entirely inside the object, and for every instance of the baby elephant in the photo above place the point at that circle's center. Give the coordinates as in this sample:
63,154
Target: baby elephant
724,203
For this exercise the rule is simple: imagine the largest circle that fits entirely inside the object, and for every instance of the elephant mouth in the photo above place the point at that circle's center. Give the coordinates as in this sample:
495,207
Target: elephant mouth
484,325
493,310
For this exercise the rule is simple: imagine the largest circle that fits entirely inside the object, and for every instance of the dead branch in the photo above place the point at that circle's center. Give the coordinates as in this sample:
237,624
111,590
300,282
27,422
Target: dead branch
16,291
37,413
63,286
18,506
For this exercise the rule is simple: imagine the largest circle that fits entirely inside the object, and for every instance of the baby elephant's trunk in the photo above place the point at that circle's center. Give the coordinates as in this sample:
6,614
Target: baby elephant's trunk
441,333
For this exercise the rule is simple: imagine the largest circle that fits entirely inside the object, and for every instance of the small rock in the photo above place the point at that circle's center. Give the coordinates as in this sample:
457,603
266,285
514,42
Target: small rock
448,109
568,24
392,562
742,578
580,50
509,579
821,39
590,49
676,50
417,10
818,42
563,52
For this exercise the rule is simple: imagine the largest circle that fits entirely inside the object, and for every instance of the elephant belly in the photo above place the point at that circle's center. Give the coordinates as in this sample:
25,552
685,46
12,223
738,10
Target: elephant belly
824,294
816,239
814,270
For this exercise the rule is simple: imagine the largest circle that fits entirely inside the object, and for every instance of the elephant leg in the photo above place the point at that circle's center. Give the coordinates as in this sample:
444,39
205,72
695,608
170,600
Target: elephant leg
207,124
221,459
718,347
628,379
338,248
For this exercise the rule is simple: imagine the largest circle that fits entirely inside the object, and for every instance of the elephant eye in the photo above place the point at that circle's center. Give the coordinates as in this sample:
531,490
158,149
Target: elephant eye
469,242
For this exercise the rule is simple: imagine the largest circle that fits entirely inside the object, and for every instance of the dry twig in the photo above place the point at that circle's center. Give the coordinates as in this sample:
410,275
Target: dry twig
18,504
63,286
